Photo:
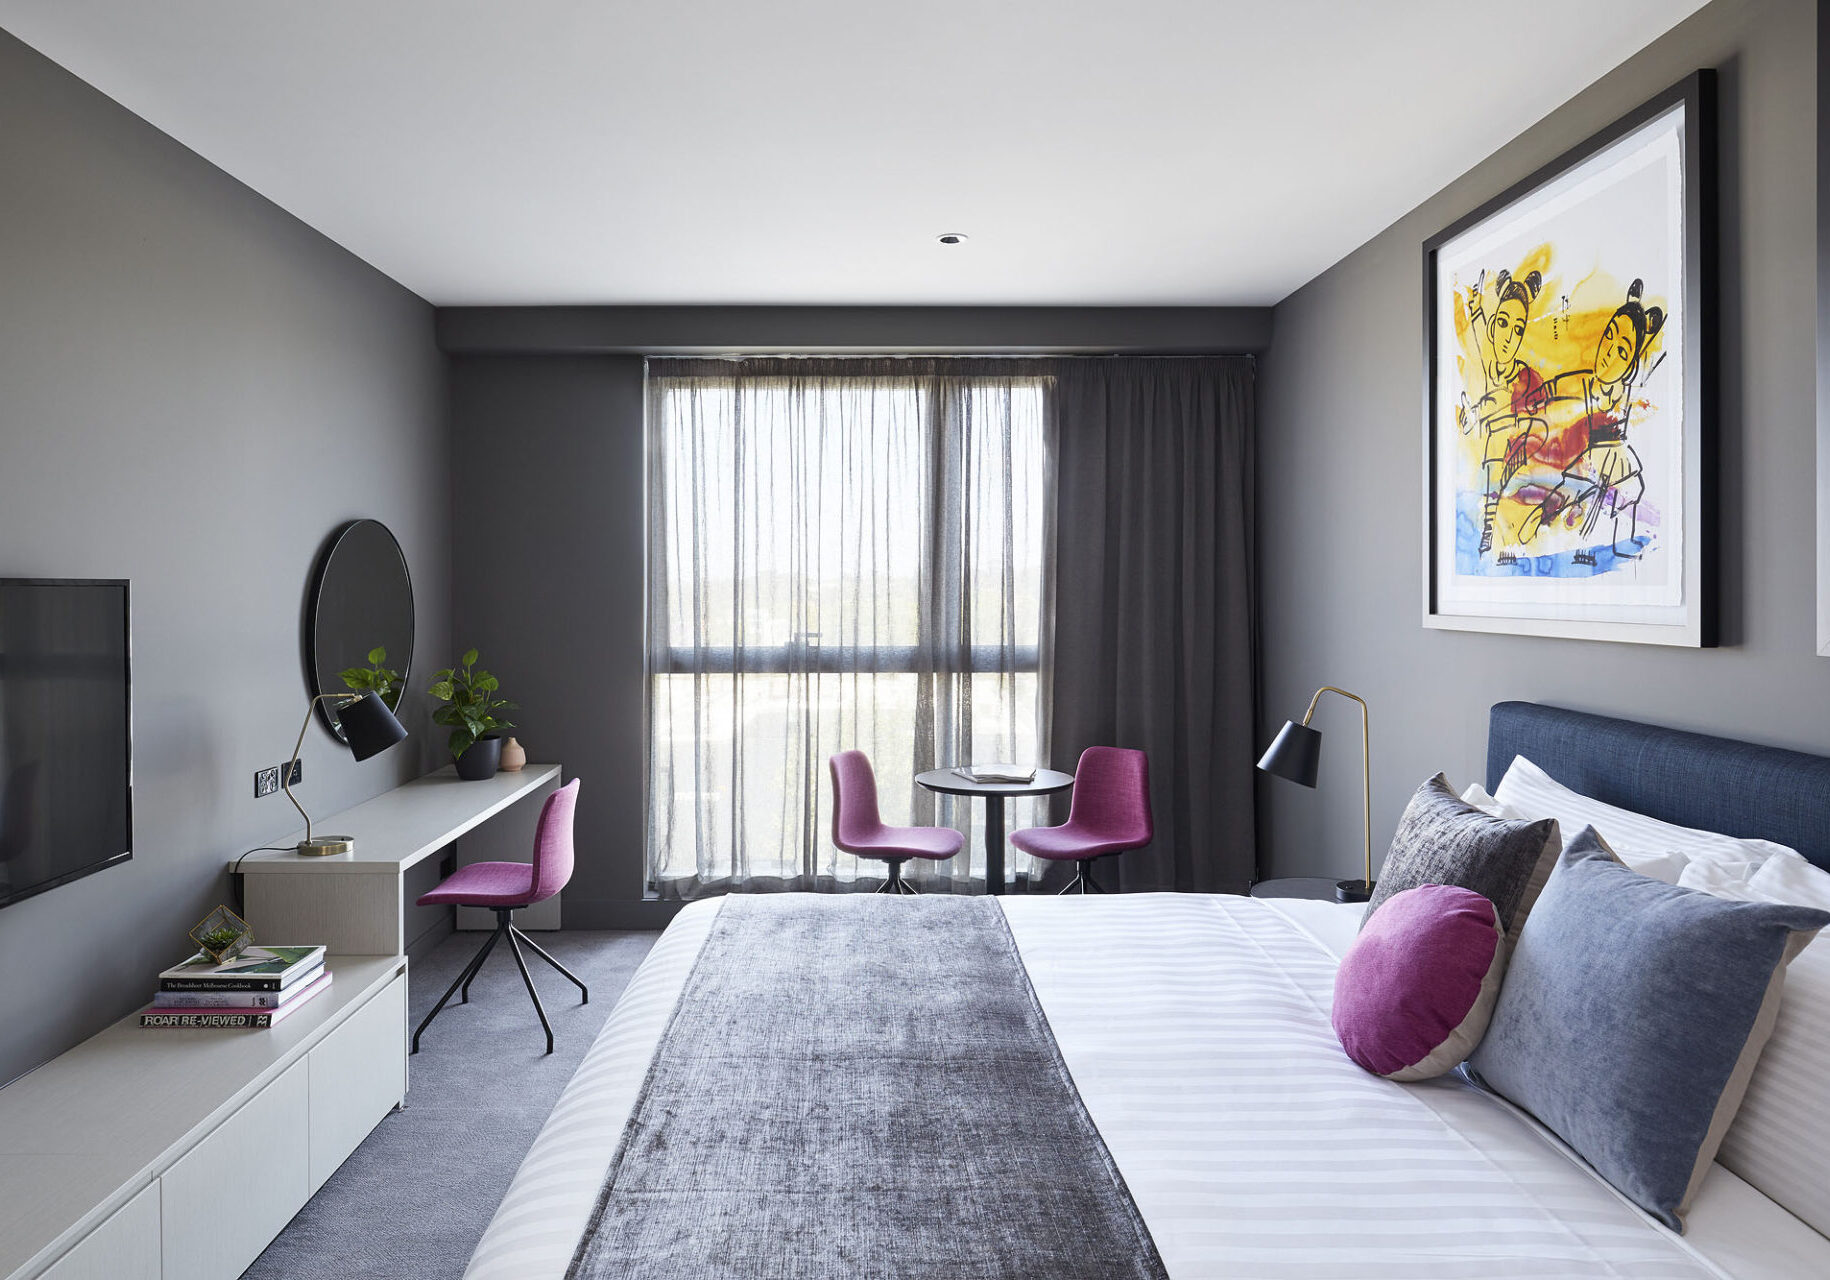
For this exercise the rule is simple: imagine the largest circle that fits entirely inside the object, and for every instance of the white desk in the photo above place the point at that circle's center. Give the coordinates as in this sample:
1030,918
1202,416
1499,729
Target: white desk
355,903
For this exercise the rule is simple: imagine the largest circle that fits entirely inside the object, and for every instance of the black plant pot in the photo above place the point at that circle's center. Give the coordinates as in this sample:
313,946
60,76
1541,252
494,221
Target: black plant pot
480,760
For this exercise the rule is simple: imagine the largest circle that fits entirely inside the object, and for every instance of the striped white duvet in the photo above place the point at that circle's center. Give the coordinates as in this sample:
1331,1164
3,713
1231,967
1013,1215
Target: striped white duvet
1196,1028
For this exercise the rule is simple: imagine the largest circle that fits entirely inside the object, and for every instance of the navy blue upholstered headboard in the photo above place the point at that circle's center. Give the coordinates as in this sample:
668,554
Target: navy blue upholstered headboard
1718,784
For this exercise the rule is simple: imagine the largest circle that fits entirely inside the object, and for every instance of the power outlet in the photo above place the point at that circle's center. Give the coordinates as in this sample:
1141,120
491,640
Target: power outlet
267,781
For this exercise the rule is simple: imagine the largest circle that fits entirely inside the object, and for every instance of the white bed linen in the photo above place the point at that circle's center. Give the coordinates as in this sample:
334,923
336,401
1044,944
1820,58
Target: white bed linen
1167,1008
1732,1225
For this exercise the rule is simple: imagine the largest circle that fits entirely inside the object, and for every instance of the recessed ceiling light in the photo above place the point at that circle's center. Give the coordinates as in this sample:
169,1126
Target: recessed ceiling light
951,237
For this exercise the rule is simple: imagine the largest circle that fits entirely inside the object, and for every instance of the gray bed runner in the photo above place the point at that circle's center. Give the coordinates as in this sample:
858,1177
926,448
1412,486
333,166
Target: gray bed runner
861,1086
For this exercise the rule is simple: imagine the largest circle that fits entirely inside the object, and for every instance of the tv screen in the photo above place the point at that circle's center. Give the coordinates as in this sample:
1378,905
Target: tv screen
66,754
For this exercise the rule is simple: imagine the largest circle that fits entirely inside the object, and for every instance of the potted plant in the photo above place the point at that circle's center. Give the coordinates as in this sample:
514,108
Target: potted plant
467,705
382,681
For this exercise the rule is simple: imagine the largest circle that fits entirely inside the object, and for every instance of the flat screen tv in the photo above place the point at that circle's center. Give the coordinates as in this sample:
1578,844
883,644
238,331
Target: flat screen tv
66,745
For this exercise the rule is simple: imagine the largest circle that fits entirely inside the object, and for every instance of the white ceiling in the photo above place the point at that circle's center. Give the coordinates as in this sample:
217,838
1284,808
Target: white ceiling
1097,152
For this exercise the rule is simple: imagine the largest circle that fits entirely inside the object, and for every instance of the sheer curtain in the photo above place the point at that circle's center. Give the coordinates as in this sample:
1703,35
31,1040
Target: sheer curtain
841,553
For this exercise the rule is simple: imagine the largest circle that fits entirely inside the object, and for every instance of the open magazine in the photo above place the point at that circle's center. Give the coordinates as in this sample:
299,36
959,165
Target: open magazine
997,773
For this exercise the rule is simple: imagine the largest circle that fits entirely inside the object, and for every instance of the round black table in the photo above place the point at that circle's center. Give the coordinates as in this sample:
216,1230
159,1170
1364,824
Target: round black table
1316,888
948,783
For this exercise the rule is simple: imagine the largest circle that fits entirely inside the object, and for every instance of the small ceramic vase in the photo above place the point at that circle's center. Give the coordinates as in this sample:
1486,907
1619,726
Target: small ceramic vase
513,756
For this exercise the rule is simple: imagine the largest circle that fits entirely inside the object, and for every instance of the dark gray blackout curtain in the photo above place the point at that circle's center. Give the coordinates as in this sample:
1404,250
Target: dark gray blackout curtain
1153,643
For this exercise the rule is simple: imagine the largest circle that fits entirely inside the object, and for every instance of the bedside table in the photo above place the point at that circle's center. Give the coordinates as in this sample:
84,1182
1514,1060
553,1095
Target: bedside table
1320,888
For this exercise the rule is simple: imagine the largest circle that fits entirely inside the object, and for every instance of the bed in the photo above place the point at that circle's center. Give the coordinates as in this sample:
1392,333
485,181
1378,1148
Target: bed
1195,1031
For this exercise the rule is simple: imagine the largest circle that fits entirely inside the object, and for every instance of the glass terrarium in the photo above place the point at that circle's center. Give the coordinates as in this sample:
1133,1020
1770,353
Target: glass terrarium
222,935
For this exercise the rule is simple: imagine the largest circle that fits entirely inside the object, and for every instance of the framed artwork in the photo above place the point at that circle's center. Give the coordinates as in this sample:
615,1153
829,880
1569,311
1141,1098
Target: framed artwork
1569,391
1823,331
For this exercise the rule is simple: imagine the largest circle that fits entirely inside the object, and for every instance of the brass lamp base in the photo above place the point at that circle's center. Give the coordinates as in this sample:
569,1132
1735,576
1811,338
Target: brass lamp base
324,846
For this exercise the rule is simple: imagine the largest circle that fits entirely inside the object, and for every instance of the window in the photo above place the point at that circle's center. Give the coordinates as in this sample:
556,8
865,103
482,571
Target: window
841,554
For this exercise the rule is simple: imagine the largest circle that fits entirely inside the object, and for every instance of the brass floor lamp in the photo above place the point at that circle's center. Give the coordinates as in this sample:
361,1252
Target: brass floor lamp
1296,754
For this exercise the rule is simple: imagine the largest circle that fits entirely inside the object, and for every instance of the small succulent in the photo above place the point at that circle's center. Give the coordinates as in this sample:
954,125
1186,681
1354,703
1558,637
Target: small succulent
222,935
218,940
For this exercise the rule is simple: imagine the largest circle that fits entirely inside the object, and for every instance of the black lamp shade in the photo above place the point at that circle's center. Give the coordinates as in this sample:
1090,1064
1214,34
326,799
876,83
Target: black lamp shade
1294,754
369,726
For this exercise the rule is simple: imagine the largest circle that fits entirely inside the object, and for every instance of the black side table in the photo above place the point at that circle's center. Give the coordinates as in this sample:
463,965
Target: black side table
1320,888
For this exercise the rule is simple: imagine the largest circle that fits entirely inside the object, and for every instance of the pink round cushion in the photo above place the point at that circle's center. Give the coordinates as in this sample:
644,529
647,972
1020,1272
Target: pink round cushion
1414,993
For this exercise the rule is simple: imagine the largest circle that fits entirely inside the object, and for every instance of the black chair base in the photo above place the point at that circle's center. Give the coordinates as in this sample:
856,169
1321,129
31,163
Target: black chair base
895,883
1083,881
505,928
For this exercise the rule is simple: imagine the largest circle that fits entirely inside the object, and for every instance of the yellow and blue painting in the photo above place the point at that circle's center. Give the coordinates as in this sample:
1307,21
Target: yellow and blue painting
1558,407
1554,375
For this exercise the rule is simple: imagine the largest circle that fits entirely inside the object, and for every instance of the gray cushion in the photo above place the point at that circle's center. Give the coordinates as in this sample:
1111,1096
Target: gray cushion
1443,840
1632,1015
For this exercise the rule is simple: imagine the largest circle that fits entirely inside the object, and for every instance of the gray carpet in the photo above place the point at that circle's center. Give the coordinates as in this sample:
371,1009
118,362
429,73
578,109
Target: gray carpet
413,1200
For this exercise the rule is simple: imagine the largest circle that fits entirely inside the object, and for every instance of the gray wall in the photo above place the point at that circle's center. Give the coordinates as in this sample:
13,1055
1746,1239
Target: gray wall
549,493
195,389
1341,460
547,534
714,331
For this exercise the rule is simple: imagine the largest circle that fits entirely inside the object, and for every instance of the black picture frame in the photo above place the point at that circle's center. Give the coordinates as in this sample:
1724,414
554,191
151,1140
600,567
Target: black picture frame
1823,329
1695,95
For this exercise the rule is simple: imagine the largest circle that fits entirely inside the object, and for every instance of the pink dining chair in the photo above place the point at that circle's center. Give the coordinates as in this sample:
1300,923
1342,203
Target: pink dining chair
858,829
506,887
1110,813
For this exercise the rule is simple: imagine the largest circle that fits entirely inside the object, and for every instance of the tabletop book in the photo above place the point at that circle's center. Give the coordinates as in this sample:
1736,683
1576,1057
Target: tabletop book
234,998
245,1017
256,969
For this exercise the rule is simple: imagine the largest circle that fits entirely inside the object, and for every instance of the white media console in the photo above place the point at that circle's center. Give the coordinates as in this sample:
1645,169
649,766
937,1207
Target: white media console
141,1154
179,1155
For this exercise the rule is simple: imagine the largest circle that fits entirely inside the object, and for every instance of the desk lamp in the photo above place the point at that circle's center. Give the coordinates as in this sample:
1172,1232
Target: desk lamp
369,729
1296,753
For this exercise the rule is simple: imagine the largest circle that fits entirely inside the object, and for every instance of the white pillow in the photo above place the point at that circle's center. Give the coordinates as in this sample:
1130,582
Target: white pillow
1789,878
1477,796
1721,879
1661,850
1780,1140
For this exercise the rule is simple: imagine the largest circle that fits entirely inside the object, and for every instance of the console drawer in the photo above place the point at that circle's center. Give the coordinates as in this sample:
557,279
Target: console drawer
358,1073
227,1197
125,1247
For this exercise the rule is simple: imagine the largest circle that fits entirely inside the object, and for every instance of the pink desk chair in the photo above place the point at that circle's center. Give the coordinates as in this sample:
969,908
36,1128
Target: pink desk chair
506,887
1110,813
858,829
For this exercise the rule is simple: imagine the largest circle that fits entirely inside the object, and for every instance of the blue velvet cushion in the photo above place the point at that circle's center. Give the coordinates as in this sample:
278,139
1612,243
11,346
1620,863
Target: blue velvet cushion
1632,1016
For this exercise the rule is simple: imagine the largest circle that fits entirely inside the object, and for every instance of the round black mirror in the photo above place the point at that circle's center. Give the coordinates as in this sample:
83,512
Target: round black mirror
359,621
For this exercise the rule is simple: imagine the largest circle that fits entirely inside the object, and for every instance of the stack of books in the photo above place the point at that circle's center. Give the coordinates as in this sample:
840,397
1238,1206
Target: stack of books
257,988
